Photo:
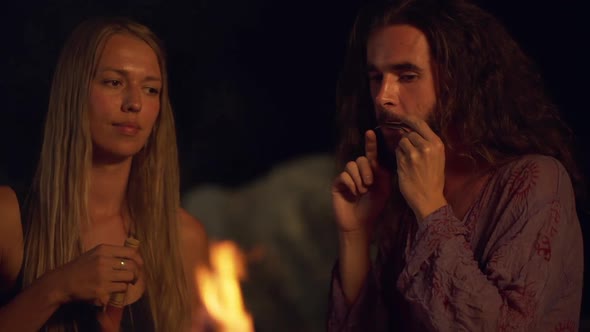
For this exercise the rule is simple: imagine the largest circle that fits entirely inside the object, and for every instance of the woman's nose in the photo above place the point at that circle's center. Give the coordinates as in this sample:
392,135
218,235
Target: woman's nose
132,102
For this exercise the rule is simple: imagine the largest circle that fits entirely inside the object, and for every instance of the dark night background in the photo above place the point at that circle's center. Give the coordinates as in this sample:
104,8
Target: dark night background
252,82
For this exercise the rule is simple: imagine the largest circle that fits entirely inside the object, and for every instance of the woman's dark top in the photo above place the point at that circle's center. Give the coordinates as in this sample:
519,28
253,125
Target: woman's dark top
136,316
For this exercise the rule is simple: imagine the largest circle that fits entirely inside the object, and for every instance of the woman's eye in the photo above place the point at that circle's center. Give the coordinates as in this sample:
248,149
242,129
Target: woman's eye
152,91
113,83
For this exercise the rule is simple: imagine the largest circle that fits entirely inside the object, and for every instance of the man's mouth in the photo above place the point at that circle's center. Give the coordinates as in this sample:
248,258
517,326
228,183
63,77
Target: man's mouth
393,125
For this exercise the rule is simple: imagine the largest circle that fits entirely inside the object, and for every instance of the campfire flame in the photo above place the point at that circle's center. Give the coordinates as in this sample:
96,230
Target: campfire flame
219,288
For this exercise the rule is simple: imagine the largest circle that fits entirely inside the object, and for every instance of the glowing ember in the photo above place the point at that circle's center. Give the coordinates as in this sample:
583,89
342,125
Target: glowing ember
219,288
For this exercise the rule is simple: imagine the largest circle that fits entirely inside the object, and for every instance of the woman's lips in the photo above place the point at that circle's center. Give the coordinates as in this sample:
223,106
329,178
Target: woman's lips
128,129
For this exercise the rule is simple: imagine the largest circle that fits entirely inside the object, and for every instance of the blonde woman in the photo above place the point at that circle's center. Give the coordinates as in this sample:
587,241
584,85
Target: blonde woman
108,170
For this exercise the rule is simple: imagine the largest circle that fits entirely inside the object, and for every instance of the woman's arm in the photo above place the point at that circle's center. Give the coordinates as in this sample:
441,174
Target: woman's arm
90,277
195,253
32,307
11,239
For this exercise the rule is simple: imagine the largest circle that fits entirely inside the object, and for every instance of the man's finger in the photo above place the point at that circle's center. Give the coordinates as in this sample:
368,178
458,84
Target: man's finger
365,171
371,148
345,183
406,148
417,141
352,168
419,126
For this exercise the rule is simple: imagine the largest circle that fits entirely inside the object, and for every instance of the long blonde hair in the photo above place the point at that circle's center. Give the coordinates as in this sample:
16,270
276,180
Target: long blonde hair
59,196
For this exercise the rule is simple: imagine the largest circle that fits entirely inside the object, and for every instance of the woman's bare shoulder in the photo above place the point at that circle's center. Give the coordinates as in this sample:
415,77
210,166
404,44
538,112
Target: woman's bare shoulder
11,237
191,226
193,237
9,213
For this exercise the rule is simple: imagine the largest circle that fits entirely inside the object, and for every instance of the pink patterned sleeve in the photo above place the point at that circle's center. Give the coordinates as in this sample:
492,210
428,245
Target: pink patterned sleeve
529,277
365,314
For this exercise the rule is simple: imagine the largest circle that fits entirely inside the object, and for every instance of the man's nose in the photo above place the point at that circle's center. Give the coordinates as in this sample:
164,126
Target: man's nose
388,94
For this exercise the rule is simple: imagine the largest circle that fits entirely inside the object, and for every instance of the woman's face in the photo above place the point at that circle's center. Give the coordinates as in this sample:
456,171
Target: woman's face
124,97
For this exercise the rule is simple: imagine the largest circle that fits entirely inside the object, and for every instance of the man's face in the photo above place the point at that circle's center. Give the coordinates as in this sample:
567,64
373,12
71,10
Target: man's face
400,76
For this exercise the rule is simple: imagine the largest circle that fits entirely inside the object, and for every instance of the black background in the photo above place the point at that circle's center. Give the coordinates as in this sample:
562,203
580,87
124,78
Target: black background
252,82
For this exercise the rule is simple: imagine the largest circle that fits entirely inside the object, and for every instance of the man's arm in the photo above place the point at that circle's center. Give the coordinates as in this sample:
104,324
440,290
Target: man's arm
367,313
530,274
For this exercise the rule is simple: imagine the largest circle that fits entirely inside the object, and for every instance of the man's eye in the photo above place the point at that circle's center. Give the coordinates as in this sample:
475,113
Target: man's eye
375,77
408,77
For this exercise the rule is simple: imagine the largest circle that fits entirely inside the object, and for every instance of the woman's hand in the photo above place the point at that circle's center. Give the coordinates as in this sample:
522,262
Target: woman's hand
98,273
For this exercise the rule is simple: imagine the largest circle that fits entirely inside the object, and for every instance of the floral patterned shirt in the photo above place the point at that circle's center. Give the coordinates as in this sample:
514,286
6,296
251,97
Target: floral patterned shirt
514,263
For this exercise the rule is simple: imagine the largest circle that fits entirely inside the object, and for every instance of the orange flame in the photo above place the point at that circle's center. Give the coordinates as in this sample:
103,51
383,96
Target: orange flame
219,288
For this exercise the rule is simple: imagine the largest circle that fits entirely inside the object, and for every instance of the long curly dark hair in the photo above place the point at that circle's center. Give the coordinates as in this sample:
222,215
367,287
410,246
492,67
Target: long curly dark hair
488,90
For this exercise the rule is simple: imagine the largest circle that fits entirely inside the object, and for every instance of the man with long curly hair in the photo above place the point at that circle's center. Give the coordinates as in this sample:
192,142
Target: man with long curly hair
459,170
